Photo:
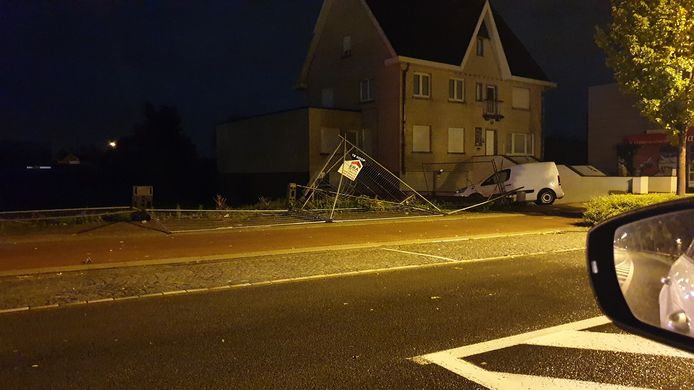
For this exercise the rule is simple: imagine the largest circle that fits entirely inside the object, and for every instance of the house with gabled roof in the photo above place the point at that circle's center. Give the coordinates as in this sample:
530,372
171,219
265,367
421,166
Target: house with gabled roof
435,81
416,83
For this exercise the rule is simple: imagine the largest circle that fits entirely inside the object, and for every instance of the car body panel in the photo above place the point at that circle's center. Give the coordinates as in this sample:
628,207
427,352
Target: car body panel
531,178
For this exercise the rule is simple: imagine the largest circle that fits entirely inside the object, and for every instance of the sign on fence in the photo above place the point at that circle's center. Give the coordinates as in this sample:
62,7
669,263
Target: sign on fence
350,169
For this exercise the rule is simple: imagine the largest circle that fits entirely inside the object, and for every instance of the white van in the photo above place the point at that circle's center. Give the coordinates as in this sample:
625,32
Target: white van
538,182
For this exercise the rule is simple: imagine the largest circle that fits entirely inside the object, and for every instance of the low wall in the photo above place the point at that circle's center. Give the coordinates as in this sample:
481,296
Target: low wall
579,188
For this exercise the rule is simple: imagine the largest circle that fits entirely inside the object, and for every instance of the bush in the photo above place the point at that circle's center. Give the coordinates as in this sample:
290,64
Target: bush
605,207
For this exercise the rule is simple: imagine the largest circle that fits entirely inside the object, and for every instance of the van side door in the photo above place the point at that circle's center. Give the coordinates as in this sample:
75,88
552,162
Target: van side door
493,183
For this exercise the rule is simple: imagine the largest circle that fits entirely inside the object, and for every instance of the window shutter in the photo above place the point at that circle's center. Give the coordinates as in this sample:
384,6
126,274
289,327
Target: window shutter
456,140
421,138
521,98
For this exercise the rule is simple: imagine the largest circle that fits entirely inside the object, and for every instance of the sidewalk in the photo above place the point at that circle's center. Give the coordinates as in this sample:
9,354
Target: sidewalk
124,245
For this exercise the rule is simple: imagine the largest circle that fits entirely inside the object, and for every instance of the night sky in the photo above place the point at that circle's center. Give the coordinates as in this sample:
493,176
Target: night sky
74,73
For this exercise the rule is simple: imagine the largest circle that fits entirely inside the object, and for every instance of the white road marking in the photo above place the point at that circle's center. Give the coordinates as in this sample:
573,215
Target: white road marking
505,381
566,335
55,305
420,254
492,345
175,292
16,309
624,273
625,343
511,256
100,300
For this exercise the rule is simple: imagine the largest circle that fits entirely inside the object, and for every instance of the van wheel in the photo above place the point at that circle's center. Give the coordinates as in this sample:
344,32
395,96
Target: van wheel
546,197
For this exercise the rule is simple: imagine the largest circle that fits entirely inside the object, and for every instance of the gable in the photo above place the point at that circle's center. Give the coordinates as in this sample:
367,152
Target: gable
445,31
437,31
343,12
441,31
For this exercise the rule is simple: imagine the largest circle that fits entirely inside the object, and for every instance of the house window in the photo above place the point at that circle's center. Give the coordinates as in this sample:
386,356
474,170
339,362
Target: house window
456,140
327,97
521,98
492,107
479,92
421,138
456,90
480,47
353,137
479,137
347,46
329,139
491,93
421,85
366,90
520,144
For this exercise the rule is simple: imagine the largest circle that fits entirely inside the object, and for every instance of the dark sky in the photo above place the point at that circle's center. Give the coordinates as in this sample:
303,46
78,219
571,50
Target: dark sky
77,72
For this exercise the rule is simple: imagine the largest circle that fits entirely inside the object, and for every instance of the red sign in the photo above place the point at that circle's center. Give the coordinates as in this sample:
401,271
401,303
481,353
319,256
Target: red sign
658,138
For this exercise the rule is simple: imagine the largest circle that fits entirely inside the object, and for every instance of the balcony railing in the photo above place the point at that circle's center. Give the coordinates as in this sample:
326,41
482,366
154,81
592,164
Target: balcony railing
491,110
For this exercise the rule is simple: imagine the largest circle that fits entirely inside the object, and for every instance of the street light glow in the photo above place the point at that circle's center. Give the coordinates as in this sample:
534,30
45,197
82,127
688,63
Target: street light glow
112,144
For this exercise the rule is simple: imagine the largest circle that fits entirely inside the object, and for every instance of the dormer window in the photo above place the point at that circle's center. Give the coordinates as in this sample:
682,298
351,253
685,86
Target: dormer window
347,46
482,35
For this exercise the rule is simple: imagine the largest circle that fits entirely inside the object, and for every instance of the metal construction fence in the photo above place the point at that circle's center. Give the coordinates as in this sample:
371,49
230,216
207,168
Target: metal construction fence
350,178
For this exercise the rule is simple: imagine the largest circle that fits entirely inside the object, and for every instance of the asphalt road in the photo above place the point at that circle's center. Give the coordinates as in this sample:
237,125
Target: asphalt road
355,331
351,332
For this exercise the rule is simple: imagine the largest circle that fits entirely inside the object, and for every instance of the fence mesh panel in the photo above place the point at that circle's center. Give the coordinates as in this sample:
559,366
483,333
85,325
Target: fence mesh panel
350,181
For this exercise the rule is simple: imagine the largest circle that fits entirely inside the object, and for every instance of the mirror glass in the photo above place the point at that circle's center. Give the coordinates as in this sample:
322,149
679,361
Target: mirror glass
654,260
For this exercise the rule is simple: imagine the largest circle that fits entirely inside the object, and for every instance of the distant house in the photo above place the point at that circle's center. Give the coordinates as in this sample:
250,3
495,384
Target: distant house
412,82
69,159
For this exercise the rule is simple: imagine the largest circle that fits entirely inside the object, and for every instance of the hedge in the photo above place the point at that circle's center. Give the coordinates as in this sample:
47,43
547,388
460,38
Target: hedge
605,207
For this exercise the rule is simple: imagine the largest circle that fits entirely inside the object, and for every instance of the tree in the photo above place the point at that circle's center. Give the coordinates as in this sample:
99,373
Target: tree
158,153
650,48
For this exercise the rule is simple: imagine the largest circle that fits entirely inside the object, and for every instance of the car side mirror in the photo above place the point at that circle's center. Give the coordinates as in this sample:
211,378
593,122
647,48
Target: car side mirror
641,267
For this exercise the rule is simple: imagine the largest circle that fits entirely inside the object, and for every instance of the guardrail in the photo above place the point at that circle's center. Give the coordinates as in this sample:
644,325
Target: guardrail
58,214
